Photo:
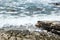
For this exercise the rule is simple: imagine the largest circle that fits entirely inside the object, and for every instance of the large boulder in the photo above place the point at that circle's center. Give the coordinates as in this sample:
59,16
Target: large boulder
55,25
48,25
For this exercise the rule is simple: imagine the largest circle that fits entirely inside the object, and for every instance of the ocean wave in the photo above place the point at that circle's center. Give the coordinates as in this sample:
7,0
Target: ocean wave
19,12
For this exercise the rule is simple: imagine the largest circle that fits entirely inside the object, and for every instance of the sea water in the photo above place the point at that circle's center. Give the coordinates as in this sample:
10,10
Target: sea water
22,12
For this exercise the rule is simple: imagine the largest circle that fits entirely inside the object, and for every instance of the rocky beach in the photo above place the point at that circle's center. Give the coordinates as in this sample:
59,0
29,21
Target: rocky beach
44,34
29,19
27,35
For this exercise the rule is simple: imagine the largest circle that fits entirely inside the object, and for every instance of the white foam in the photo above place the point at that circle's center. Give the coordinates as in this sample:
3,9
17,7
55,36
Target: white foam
26,20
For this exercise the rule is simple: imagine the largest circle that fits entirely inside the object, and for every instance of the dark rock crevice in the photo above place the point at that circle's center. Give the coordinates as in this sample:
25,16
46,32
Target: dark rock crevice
49,26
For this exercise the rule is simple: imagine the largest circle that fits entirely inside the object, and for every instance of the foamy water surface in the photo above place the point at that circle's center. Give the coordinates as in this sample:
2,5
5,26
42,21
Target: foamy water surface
18,12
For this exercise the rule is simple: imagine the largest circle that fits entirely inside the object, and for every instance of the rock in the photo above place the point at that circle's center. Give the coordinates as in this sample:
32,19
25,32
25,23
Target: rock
39,24
44,25
49,25
27,39
55,31
37,37
55,26
13,38
32,36
18,38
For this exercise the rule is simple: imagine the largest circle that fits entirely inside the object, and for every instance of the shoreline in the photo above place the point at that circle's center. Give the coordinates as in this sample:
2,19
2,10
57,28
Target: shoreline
24,34
28,35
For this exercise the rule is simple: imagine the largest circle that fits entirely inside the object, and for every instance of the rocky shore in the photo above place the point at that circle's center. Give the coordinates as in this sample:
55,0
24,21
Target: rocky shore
50,31
53,26
27,35
49,24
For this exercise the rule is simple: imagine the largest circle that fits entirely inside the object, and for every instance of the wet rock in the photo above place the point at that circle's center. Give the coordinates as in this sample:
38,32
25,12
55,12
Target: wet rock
55,31
55,26
44,25
39,24
49,26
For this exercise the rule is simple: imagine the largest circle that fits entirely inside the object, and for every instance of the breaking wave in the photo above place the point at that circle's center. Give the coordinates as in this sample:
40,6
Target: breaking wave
19,12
